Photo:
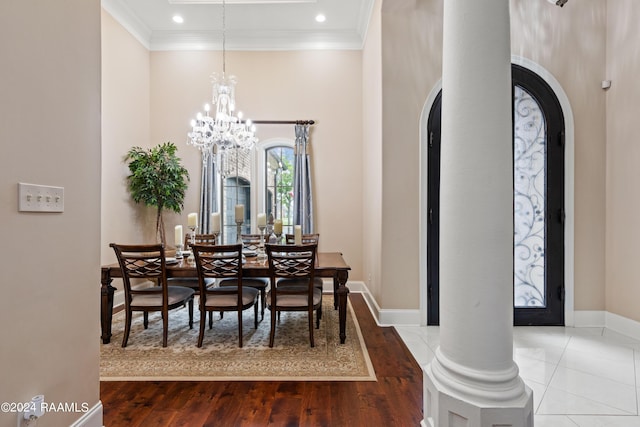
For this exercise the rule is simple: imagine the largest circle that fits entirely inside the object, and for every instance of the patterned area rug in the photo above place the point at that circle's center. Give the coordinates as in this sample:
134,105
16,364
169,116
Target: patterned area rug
220,358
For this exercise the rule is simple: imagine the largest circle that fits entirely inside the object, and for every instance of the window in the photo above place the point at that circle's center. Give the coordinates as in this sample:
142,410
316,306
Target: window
278,190
236,190
262,181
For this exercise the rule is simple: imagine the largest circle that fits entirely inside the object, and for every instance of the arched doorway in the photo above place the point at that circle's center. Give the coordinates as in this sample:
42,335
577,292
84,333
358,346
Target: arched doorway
539,211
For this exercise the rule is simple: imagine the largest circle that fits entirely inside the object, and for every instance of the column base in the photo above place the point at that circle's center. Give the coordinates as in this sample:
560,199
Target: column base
446,406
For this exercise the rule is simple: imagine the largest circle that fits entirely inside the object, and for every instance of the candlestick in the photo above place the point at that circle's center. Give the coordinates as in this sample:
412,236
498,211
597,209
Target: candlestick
215,223
178,241
192,220
262,256
239,214
193,229
297,235
262,220
178,235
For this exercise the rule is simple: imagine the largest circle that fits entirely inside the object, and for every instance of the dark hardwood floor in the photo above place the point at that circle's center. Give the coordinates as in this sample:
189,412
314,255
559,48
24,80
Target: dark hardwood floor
394,400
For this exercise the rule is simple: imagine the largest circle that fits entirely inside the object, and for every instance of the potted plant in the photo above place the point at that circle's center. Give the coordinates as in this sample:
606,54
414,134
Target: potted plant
157,179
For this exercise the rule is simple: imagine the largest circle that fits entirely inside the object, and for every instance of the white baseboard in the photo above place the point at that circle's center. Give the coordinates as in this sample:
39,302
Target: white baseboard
622,325
388,317
589,318
91,418
605,319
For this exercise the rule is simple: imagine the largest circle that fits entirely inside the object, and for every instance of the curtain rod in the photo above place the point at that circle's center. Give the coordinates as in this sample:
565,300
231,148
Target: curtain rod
283,122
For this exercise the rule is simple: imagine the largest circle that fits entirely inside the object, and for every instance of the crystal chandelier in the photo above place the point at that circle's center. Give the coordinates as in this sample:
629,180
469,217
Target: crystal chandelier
221,127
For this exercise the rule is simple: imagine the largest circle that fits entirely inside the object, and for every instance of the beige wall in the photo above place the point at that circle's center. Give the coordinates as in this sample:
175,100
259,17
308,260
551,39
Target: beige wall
50,133
623,157
286,85
372,154
411,67
125,123
541,32
549,35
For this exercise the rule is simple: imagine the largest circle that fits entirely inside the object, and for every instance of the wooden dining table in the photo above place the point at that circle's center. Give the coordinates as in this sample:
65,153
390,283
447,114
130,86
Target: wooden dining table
328,265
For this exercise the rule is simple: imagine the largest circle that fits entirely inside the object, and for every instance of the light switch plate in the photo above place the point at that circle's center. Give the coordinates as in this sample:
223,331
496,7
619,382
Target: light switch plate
40,198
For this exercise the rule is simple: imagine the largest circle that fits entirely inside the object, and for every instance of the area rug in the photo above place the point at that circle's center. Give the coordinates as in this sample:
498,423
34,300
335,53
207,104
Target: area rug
220,358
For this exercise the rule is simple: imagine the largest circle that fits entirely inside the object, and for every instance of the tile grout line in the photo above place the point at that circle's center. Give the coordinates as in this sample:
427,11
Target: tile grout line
546,387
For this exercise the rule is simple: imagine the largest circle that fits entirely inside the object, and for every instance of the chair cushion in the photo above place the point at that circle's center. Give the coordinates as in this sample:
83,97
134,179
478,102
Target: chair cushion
295,300
252,282
217,297
153,298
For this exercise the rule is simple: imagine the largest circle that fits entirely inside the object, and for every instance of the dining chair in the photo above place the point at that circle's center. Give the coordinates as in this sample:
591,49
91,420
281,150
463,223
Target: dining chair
223,262
192,282
309,238
148,262
251,242
293,262
306,239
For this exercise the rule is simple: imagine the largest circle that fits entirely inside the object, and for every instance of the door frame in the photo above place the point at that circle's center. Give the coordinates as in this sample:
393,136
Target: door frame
569,192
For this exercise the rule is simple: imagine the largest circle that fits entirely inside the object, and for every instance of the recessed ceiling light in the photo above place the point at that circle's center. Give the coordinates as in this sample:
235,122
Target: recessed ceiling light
320,18
178,19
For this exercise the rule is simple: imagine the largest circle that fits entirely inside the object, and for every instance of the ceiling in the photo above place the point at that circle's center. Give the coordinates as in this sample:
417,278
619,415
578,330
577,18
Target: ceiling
250,24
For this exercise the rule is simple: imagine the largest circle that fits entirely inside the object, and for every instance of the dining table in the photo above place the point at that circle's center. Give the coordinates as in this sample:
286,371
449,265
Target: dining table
328,265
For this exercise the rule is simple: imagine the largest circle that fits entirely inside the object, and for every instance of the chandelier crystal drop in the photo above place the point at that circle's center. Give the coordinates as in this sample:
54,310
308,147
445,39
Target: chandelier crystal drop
222,128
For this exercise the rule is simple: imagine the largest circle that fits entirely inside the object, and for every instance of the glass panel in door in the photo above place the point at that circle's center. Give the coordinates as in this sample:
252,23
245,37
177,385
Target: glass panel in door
529,164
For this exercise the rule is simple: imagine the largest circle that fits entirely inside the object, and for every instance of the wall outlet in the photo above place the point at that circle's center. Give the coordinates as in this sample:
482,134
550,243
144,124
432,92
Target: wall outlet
40,198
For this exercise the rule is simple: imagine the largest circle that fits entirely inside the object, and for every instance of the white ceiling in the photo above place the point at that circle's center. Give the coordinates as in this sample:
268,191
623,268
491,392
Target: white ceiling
250,24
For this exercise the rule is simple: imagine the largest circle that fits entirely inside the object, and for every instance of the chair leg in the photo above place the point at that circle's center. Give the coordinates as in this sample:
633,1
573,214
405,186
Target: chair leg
240,328
255,315
318,317
263,300
165,327
203,319
127,328
191,313
211,320
273,326
310,316
146,319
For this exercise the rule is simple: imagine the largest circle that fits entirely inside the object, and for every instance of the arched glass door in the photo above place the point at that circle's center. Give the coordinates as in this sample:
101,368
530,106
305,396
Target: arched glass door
538,149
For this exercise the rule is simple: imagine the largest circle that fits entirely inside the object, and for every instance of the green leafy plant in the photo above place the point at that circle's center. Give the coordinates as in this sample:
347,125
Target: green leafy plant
157,179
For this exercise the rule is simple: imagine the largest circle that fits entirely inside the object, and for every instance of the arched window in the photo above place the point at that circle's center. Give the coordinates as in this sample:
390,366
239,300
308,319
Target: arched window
277,190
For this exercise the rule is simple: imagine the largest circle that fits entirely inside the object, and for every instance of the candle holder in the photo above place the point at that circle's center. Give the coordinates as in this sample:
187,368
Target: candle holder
271,237
179,251
215,237
261,254
278,238
239,231
193,229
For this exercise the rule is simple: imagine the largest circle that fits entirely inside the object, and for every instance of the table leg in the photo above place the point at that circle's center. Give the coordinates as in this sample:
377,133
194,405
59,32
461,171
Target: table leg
106,305
342,293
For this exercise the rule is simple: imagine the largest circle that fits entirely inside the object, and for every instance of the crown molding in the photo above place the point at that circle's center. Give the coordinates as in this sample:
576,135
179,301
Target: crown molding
256,40
245,40
128,20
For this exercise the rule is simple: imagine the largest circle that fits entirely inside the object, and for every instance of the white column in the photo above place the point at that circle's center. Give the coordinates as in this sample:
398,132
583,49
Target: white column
473,380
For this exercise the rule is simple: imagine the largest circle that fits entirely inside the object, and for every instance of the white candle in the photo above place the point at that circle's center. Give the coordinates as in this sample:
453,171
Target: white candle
277,226
297,235
215,222
239,213
178,235
262,220
192,220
